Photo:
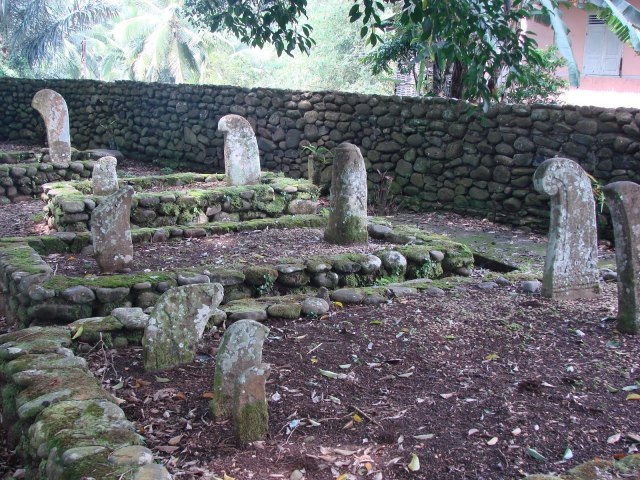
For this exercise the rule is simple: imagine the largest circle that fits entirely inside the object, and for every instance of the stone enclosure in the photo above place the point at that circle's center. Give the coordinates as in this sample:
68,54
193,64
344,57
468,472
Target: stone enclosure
440,153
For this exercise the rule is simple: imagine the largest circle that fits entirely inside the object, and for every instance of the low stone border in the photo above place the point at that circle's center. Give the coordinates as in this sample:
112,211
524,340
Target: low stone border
599,469
35,295
58,416
69,205
23,174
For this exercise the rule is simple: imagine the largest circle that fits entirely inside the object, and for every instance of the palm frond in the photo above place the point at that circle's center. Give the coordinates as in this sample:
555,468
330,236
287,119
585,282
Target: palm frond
613,13
562,41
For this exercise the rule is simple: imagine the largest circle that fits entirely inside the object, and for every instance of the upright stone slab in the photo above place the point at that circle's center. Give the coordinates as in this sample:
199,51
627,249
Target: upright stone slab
177,323
104,179
53,109
239,380
241,156
571,264
111,231
623,199
348,204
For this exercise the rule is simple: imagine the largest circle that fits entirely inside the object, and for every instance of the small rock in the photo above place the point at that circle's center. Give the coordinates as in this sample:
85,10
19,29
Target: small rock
464,271
503,282
347,296
608,275
131,455
314,306
79,294
132,318
183,280
531,286
379,231
434,291
487,285
437,255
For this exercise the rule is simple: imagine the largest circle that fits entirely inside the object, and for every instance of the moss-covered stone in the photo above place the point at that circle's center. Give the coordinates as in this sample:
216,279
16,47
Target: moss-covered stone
260,275
284,310
251,422
46,387
60,283
79,424
35,340
46,361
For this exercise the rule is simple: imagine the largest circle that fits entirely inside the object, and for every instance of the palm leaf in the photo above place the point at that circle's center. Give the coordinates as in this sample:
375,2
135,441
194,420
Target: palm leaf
616,13
563,43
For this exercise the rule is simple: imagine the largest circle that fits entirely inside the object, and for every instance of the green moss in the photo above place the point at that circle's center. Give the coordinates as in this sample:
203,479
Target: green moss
351,280
52,244
23,257
251,422
61,282
285,310
9,409
273,207
352,230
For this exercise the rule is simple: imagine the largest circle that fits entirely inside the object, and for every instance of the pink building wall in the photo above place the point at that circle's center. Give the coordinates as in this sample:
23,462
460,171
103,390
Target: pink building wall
576,20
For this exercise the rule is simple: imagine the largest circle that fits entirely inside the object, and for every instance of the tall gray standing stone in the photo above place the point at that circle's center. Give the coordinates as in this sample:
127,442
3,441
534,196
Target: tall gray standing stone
104,179
111,231
348,203
177,323
571,264
241,155
623,199
53,109
239,380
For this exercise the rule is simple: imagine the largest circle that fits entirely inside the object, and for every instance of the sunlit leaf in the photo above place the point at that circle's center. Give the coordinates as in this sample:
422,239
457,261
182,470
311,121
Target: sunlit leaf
78,332
414,464
533,453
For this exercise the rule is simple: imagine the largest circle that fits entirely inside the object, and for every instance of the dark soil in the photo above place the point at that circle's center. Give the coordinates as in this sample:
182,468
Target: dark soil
476,383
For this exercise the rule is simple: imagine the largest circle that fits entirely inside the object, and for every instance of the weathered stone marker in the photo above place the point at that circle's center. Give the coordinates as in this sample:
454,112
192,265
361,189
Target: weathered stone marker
241,155
239,380
111,231
348,204
571,264
53,109
104,179
623,199
177,323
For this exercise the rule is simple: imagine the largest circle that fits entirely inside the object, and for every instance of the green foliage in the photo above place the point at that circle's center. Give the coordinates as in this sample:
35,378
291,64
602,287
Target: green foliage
460,49
43,32
256,23
539,83
320,153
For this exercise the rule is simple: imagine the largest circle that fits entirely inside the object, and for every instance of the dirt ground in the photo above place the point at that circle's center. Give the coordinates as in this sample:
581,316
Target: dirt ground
482,383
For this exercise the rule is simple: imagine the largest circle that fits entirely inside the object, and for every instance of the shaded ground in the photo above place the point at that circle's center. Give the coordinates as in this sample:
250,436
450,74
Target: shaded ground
476,383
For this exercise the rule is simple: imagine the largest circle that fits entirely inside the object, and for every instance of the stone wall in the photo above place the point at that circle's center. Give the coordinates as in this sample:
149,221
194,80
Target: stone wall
441,153
59,418
208,199
34,295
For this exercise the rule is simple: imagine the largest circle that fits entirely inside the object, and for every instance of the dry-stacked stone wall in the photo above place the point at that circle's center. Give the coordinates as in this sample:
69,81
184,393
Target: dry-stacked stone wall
35,295
441,153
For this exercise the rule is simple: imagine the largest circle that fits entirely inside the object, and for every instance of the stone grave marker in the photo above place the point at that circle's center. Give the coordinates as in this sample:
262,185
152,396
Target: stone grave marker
177,323
104,179
53,109
239,380
348,201
111,231
623,199
571,264
241,155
